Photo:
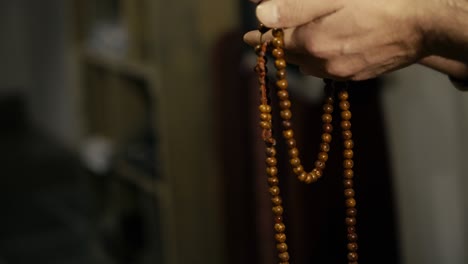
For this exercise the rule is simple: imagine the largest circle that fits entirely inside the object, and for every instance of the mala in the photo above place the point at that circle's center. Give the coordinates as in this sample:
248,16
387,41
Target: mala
276,47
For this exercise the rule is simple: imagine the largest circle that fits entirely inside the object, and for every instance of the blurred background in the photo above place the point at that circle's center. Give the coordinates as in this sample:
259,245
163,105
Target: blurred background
129,135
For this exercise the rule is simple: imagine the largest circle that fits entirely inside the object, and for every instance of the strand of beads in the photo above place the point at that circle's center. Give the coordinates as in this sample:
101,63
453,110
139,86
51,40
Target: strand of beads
348,173
271,162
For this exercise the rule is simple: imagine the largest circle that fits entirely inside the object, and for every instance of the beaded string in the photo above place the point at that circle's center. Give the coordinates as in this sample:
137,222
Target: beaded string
276,46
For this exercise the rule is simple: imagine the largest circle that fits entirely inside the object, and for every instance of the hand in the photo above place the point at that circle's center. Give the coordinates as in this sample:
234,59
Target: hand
342,39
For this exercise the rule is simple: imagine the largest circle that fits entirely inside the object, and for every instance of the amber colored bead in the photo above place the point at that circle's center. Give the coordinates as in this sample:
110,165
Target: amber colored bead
280,237
348,164
281,74
288,134
265,124
298,170
286,114
285,104
277,42
328,108
271,152
325,147
286,124
291,143
327,118
295,162
259,51
278,219
283,94
327,128
352,256
280,227
349,193
348,183
353,247
278,210
293,153
273,181
351,229
326,137
348,174
343,95
346,115
271,161
350,221
344,105
320,165
349,143
276,200
348,153
352,237
351,212
264,108
275,191
302,176
280,64
282,247
277,32
317,172
282,84
345,125
284,256
323,156
272,171
278,53
347,134
350,202
329,100
311,178
264,116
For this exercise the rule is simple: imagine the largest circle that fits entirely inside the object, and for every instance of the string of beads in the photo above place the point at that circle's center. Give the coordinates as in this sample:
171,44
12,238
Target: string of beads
277,51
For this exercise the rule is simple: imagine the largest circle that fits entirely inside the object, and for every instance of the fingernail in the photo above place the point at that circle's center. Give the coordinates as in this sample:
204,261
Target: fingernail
267,13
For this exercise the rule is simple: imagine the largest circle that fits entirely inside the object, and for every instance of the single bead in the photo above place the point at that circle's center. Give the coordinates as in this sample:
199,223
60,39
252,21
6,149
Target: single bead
278,219
351,212
352,256
265,124
274,191
283,95
284,256
265,108
348,174
349,193
317,172
348,153
280,64
264,116
272,171
327,128
326,137
277,42
352,237
343,95
291,143
280,227
328,108
276,200
288,134
325,147
285,104
327,118
278,210
329,100
271,161
278,32
262,28
348,164
271,152
280,237
286,114
350,202
298,169
278,53
282,84
351,229
320,165
312,177
353,247
345,125
346,115
286,124
282,247
295,162
281,74
348,183
273,181
350,221
293,153
323,156
259,51
347,134
349,144
302,176
344,105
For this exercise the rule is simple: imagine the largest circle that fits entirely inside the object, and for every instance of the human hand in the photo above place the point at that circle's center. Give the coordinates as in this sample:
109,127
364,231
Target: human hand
342,39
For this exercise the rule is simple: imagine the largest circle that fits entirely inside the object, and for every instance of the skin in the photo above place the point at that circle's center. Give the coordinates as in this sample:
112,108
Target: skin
362,39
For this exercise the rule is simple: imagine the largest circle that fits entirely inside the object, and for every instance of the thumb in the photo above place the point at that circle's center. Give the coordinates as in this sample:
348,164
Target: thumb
293,13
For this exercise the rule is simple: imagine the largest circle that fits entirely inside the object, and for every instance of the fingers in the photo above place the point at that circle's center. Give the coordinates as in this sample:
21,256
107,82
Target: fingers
254,37
292,13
